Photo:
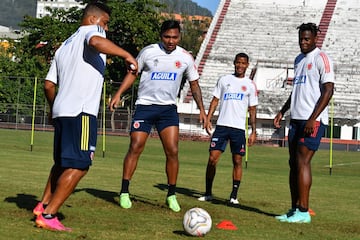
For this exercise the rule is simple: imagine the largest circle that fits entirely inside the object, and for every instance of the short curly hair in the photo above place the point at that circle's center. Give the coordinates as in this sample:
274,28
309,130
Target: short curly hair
312,27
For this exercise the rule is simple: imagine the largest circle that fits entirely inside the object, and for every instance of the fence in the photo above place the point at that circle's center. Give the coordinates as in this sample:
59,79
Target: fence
24,116
21,115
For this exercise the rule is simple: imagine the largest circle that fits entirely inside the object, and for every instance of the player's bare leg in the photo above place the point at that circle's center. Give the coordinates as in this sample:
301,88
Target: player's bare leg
293,182
214,156
293,176
66,184
237,166
304,156
237,175
304,179
50,187
170,140
137,145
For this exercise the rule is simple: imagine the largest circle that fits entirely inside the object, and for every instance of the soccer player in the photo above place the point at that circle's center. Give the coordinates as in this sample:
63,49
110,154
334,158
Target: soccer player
162,66
237,95
77,69
313,87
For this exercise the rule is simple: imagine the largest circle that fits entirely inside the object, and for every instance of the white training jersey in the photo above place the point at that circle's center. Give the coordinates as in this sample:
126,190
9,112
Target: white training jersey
161,74
78,70
311,71
235,95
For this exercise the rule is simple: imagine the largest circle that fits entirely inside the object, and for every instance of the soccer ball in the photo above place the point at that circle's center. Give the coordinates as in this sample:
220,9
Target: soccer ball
197,222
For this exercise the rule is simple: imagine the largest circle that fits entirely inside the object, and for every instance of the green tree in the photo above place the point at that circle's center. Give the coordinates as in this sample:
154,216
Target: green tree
187,7
133,25
28,59
193,33
16,79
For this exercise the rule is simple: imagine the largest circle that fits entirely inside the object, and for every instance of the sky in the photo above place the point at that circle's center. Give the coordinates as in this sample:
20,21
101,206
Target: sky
209,4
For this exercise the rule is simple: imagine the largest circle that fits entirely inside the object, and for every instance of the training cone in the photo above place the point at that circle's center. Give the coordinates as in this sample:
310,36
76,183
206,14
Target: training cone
311,212
227,225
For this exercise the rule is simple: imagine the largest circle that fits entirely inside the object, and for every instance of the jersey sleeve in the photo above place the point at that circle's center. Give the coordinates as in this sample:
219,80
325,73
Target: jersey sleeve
52,73
325,68
95,31
141,58
191,71
217,89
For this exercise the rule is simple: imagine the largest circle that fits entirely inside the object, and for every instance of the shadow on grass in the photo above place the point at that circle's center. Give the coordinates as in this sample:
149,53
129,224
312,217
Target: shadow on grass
27,202
195,194
23,201
181,233
111,196
102,194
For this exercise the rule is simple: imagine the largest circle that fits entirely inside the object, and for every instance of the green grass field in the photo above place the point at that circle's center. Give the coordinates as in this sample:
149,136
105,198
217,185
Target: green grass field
93,211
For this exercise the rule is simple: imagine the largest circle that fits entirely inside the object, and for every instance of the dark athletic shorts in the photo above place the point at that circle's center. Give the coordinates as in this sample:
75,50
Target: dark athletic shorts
224,134
160,116
297,136
75,141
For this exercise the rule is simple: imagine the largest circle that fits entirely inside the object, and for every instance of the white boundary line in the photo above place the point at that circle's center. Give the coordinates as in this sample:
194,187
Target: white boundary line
343,164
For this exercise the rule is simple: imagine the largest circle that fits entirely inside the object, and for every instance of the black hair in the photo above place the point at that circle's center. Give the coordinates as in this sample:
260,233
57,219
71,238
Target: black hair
97,5
169,24
309,27
242,55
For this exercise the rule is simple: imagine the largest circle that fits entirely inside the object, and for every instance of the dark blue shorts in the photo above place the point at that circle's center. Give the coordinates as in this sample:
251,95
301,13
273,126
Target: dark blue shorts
160,116
297,136
224,134
75,141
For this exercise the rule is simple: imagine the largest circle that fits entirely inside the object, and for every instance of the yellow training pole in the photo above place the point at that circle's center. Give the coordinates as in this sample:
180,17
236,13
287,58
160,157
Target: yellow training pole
33,116
104,110
331,133
246,139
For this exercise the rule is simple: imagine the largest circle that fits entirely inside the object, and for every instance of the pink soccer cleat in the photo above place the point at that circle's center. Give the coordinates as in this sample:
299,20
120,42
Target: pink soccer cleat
39,209
51,224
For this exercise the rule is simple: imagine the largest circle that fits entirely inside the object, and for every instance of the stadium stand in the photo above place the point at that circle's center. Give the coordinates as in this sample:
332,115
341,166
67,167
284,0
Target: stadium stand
266,30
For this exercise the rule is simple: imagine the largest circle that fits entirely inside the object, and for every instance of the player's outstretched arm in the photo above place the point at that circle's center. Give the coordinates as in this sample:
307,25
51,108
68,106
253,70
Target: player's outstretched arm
106,46
125,85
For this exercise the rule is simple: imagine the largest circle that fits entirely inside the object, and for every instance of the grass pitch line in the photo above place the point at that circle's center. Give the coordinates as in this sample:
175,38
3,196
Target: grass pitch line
343,164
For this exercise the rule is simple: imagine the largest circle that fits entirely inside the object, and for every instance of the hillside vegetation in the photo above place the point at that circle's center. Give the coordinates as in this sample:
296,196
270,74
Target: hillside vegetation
12,12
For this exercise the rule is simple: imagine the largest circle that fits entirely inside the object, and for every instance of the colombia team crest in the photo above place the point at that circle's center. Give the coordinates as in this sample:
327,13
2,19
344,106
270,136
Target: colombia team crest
178,64
136,124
